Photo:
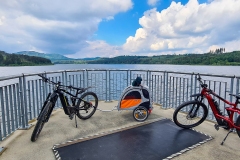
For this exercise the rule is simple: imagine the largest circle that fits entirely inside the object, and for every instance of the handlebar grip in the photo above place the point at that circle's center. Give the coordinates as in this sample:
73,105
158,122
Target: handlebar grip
198,78
237,96
204,85
44,78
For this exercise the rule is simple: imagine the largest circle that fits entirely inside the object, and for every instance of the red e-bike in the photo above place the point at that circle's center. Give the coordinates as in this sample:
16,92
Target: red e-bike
192,113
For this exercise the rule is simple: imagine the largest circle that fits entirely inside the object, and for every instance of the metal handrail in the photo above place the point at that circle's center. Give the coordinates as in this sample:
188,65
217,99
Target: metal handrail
21,96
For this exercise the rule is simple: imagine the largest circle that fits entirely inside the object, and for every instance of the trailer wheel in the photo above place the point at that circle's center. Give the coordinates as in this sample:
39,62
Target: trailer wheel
140,114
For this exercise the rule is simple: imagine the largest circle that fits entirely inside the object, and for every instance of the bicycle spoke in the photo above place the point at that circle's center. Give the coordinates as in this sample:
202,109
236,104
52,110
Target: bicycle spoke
190,114
88,105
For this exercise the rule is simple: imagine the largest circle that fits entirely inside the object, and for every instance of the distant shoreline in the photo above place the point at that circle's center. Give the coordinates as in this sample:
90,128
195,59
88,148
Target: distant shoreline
209,59
27,65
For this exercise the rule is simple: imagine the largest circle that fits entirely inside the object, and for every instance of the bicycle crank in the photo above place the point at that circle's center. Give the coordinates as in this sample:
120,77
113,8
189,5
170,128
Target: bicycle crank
216,126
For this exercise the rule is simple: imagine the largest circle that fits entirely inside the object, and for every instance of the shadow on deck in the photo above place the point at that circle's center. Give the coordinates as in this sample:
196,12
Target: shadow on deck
60,129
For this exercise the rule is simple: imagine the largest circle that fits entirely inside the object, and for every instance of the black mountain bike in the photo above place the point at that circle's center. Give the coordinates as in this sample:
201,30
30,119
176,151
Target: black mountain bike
84,107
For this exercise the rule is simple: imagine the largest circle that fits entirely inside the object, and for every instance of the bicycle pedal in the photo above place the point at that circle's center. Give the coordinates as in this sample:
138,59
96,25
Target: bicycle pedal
71,116
216,126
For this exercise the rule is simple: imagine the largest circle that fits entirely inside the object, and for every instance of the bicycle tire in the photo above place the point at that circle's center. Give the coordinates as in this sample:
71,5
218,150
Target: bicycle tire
238,124
87,109
140,114
41,121
197,117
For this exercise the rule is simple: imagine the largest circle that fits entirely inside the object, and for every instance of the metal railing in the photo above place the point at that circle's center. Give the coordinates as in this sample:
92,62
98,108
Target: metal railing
22,96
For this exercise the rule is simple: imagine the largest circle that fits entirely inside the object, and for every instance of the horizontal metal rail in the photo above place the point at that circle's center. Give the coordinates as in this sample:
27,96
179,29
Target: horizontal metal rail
22,96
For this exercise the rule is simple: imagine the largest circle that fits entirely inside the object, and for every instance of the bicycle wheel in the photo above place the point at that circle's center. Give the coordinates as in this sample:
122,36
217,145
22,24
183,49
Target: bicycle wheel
87,104
190,114
41,121
140,114
238,124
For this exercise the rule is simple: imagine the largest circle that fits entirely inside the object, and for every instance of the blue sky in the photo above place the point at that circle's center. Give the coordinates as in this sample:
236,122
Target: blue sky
126,23
109,28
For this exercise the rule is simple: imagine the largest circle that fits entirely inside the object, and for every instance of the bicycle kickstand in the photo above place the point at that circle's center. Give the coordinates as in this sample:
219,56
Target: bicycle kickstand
75,120
231,130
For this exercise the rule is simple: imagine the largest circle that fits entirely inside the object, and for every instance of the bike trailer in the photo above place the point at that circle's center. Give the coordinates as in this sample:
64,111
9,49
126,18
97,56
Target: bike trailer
136,98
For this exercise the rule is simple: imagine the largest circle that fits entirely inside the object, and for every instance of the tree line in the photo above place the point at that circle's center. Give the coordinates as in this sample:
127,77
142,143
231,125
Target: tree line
231,58
227,58
217,51
7,59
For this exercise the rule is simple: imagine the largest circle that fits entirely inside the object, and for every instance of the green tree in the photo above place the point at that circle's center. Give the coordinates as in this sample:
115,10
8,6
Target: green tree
1,59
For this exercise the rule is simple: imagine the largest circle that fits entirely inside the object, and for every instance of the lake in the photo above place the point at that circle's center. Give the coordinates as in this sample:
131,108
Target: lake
219,70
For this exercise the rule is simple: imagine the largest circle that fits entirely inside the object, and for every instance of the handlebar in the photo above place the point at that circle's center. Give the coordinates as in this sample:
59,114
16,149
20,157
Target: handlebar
201,82
205,86
45,79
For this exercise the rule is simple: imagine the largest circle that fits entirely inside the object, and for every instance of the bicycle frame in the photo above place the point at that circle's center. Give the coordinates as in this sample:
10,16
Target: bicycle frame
230,110
59,93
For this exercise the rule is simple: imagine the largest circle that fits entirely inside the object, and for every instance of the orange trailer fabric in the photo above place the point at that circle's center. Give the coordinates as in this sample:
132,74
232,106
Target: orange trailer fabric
128,103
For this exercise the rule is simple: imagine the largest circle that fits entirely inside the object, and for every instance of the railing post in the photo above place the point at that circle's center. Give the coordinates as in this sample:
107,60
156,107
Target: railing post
83,78
22,100
38,94
231,88
183,99
66,78
130,77
164,89
107,98
33,102
3,121
15,105
12,108
170,95
29,101
63,79
7,109
128,82
231,91
155,88
237,93
176,92
187,92
86,77
45,92
237,86
192,85
149,79
23,104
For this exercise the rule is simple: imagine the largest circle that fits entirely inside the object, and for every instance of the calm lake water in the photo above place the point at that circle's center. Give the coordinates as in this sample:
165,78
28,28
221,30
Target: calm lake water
219,70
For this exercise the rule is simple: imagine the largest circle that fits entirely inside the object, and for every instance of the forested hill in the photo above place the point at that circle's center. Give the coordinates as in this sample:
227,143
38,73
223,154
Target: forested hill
231,58
217,58
7,59
53,57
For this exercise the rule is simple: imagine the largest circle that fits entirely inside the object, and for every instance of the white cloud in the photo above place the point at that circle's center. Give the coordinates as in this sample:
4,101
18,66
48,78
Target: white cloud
152,2
98,49
1,20
51,27
191,28
54,26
